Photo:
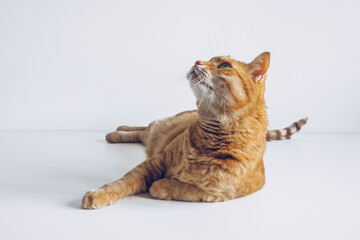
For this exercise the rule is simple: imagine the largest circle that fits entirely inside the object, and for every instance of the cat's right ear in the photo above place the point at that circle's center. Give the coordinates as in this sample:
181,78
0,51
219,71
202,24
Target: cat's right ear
259,66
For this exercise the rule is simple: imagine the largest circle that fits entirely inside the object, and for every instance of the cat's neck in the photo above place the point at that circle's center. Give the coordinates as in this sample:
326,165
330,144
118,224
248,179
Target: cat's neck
228,133
222,124
219,126
211,125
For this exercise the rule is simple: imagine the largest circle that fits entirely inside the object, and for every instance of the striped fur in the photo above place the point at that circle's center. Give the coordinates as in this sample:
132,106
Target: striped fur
287,132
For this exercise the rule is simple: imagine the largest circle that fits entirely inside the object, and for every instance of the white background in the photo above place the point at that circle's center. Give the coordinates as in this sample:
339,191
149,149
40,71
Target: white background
92,65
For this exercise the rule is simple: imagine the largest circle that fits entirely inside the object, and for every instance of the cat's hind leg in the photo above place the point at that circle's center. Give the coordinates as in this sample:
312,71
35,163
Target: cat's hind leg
173,189
125,137
129,134
130,128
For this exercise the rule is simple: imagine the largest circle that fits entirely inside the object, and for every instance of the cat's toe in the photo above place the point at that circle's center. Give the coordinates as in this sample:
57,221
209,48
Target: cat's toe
94,199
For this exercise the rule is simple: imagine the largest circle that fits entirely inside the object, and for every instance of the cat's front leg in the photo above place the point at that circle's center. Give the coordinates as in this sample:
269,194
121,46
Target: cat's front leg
137,180
173,189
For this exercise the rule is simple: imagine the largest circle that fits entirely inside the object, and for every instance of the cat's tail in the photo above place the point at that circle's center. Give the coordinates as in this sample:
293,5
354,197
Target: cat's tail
287,132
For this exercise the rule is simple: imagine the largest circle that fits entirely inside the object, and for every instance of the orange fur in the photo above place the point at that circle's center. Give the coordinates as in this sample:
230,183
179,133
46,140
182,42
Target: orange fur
214,153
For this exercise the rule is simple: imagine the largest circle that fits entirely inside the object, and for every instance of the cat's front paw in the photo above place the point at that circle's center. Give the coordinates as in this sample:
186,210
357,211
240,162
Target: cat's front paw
96,198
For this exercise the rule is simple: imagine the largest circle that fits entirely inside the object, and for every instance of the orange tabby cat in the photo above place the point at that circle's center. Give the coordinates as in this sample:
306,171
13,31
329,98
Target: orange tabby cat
214,153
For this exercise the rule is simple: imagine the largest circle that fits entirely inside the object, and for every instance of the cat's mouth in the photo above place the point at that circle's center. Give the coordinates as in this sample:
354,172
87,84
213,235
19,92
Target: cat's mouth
198,74
192,76
197,81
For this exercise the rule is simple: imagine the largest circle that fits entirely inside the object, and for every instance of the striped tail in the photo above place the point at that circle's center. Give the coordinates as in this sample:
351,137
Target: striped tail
285,133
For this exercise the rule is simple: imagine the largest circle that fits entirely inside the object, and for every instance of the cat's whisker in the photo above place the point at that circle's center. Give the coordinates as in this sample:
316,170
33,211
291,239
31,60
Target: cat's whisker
212,95
201,99
196,82
200,81
221,104
204,94
198,78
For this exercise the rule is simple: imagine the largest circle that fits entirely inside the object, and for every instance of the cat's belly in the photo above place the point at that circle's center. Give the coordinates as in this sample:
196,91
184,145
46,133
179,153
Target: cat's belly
162,132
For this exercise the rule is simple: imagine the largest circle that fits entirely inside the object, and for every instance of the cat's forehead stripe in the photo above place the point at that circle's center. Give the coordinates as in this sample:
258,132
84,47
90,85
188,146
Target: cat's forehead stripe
220,59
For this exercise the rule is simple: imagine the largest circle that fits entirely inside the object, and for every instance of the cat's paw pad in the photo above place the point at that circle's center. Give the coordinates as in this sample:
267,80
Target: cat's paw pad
161,189
95,198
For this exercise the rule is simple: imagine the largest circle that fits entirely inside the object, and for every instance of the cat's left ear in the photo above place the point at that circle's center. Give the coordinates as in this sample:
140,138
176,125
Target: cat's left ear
259,66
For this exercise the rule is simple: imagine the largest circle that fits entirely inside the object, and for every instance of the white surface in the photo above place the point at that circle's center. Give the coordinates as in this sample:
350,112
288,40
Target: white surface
312,192
88,64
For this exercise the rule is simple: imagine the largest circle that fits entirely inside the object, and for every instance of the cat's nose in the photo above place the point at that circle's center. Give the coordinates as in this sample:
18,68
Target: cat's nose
198,63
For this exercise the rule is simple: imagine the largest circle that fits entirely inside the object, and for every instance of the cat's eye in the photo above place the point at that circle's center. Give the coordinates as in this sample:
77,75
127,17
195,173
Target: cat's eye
225,65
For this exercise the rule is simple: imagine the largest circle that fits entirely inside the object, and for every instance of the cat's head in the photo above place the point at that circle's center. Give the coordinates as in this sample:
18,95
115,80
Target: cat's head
225,86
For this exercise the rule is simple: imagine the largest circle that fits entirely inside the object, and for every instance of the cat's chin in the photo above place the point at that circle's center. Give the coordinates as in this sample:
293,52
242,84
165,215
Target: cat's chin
191,75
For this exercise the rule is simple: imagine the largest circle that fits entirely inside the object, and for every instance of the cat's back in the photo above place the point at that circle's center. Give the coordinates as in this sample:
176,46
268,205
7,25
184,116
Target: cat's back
161,132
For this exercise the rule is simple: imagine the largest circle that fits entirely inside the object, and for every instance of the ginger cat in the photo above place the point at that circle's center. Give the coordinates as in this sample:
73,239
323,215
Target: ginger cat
212,154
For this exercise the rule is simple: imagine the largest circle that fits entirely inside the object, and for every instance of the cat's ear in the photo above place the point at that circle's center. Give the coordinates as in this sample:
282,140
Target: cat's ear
259,66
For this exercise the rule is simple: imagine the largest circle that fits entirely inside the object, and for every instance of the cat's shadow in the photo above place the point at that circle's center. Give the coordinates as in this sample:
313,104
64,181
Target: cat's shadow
144,195
76,204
